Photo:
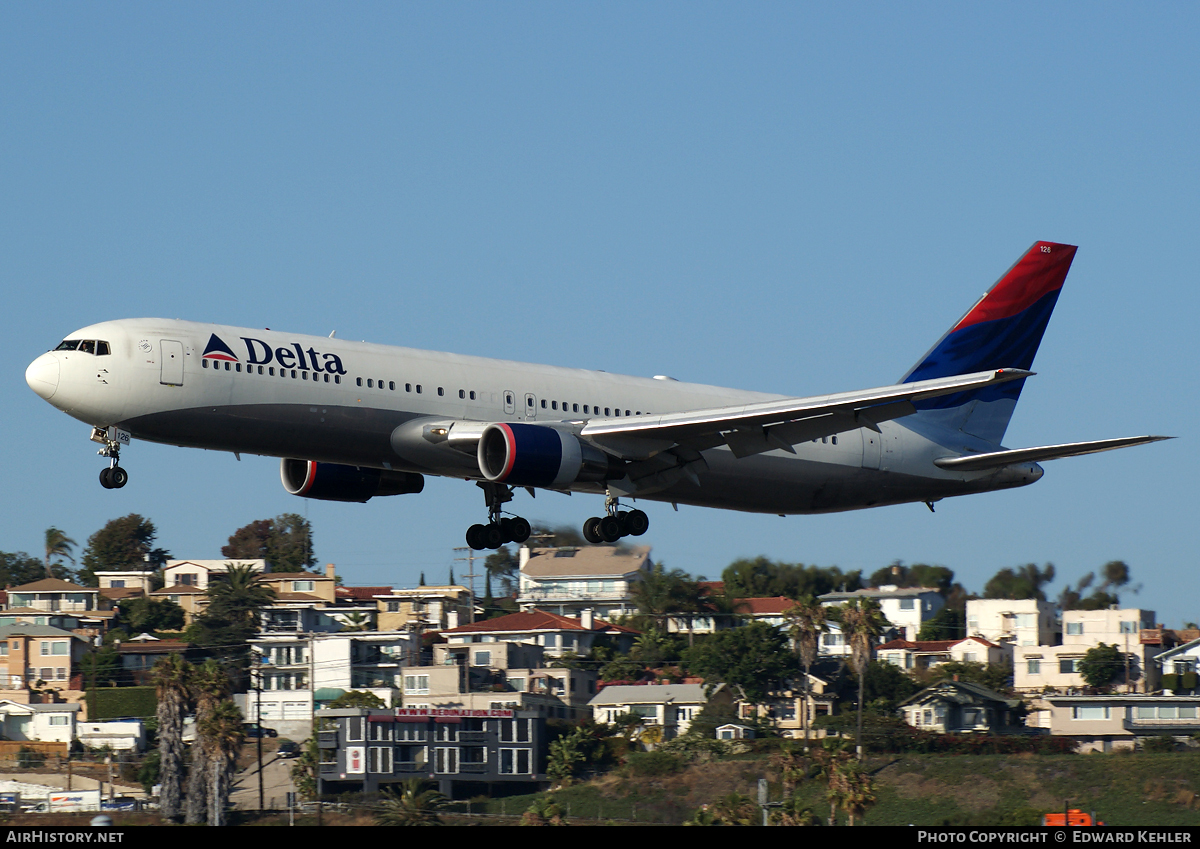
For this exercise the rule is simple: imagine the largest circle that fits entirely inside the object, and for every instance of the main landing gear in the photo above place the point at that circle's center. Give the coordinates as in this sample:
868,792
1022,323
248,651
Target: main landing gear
499,530
114,477
615,524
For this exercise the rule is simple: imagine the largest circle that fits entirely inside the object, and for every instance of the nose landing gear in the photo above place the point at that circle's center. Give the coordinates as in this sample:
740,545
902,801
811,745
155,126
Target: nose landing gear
111,439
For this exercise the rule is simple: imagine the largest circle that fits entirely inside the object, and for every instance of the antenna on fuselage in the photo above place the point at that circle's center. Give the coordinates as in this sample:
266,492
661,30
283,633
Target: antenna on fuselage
332,333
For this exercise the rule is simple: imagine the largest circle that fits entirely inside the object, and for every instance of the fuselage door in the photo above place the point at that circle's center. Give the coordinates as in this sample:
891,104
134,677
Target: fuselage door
871,448
510,402
530,406
172,362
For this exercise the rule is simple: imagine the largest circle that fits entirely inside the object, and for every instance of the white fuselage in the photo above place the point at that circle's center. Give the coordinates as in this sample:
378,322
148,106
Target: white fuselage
359,404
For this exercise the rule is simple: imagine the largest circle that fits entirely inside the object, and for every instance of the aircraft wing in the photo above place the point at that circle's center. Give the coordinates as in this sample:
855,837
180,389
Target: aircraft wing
996,459
769,425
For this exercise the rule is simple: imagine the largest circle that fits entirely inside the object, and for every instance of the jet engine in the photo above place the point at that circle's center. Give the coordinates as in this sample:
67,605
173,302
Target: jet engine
535,455
335,482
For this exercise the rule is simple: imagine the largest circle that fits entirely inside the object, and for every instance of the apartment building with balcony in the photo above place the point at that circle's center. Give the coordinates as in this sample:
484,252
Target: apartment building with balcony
568,581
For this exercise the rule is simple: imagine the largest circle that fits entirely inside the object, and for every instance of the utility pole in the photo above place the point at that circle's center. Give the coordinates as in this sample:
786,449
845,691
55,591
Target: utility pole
470,561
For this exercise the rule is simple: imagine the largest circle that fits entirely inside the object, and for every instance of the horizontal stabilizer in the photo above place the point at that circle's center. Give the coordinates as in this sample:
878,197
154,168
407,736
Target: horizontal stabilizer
996,459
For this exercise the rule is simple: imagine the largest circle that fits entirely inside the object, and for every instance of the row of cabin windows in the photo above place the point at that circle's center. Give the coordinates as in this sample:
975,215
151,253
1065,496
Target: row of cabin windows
269,371
390,385
409,387
587,408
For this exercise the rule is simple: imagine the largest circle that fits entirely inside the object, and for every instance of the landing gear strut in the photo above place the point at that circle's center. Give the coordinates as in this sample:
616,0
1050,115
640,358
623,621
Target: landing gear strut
114,477
616,523
499,529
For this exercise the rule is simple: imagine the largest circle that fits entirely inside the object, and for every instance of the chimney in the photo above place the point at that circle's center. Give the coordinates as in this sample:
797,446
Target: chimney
587,618
330,570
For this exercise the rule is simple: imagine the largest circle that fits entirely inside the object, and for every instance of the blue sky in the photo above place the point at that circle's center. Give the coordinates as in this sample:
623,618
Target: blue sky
793,198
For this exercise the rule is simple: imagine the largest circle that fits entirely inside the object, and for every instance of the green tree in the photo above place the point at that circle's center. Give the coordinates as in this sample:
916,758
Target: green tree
662,595
412,805
121,545
223,732
209,685
544,811
285,542
235,602
752,659
1101,665
101,667
851,789
1114,575
916,575
501,567
806,621
18,568
146,614
885,686
764,578
947,624
1026,581
566,753
304,769
862,624
994,676
357,699
172,678
58,547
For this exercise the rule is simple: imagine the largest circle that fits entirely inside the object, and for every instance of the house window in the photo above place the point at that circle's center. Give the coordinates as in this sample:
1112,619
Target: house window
1033,666
908,604
60,720
302,586
416,684
1089,712
483,658
1074,629
514,761
1068,665
1129,627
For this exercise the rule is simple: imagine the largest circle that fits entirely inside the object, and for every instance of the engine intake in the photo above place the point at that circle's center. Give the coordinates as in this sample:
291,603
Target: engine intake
533,455
335,482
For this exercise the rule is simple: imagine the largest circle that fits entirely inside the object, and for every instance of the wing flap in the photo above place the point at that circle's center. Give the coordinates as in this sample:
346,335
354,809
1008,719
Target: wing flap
997,459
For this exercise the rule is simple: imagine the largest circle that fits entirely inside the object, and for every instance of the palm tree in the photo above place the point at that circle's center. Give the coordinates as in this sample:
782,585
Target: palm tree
172,676
222,731
862,623
413,805
806,623
58,546
851,789
210,686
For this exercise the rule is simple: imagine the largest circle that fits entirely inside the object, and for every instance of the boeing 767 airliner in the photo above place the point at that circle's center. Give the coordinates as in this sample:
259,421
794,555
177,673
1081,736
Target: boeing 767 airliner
352,420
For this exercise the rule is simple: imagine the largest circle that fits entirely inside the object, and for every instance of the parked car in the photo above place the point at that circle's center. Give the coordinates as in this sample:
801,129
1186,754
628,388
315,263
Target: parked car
253,729
289,749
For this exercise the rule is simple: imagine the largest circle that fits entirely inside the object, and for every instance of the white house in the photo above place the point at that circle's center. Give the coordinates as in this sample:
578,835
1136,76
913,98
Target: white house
907,608
1012,622
569,580
45,723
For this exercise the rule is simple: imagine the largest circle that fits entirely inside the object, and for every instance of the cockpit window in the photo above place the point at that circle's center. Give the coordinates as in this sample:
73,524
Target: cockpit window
101,349
88,346
68,345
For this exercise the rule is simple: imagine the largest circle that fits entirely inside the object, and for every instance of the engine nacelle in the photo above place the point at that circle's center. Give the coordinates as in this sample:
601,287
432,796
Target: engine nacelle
534,455
334,482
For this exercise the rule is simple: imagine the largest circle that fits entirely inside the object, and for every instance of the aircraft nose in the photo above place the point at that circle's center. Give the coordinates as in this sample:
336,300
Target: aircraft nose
42,376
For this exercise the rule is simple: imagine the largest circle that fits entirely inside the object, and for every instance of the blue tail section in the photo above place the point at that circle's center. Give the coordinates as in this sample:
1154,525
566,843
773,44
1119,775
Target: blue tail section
1002,330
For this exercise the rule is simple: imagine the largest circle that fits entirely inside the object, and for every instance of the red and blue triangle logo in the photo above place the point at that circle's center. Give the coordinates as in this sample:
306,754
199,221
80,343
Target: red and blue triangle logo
218,350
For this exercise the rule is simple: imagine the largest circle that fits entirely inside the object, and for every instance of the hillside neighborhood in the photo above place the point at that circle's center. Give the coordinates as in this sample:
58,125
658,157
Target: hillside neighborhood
494,692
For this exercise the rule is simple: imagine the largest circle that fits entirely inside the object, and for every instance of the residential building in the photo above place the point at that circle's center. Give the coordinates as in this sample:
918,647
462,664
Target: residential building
784,707
465,751
907,608
121,735
47,723
1178,667
298,673
1012,622
198,573
1056,668
499,675
30,654
556,633
912,655
669,708
139,655
568,581
88,611
423,608
959,707
1106,723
